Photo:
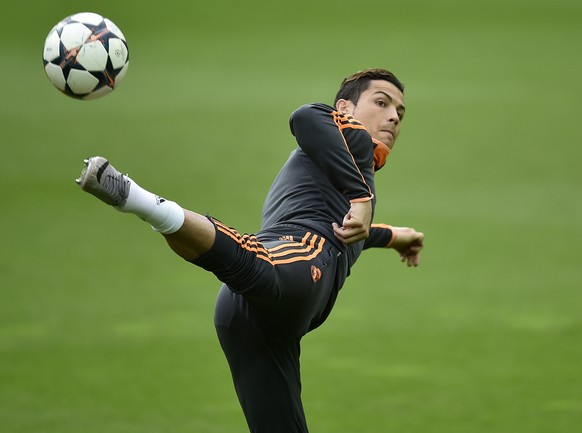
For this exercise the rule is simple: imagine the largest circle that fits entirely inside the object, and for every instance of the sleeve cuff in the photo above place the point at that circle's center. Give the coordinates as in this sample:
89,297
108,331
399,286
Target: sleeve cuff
362,200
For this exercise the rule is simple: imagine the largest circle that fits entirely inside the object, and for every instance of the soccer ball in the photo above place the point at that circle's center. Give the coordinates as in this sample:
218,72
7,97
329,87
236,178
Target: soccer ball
85,56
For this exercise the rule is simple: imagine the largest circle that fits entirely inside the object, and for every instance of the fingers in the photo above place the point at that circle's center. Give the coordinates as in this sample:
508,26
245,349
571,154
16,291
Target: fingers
356,223
410,260
414,260
411,257
349,235
409,243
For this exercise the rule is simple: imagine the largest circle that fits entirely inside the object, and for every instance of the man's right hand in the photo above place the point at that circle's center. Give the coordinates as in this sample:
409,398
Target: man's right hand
356,224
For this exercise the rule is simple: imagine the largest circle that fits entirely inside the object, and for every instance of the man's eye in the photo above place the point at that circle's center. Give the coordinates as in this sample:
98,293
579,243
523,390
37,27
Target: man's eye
381,103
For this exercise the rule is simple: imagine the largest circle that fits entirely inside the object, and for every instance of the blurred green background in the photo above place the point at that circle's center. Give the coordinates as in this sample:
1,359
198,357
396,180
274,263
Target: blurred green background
104,330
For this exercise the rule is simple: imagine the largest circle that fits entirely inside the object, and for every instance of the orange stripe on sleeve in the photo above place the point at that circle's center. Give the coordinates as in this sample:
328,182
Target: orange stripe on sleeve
340,120
361,200
388,227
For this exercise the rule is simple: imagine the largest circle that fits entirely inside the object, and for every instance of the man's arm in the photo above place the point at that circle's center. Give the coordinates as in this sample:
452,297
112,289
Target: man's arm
342,148
380,236
356,224
405,240
339,145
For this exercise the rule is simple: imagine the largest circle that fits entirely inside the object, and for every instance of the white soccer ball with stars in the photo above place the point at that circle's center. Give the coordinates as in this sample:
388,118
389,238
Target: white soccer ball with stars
85,56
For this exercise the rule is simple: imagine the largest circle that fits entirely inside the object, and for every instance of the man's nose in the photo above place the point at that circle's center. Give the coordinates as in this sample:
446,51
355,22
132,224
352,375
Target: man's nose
393,115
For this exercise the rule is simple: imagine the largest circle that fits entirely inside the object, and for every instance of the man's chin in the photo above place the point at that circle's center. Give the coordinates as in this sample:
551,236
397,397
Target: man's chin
388,141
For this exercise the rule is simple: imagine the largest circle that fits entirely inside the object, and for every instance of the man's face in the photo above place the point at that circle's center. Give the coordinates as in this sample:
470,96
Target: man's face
380,109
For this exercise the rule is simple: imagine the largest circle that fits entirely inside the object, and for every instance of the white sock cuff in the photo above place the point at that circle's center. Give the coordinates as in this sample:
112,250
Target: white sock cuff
173,218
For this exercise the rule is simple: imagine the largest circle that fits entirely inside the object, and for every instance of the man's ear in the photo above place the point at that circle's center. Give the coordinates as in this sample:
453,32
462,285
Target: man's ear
344,106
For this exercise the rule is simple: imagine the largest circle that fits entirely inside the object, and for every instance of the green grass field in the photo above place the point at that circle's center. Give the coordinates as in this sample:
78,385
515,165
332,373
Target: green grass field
104,330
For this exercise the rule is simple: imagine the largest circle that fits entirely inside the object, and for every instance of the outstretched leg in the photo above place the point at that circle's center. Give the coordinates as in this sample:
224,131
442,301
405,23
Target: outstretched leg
188,234
262,341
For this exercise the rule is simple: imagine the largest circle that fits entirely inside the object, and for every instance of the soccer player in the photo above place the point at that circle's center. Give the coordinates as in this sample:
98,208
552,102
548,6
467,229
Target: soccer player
283,281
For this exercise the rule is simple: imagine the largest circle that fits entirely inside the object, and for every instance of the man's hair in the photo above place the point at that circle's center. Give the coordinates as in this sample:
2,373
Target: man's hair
354,85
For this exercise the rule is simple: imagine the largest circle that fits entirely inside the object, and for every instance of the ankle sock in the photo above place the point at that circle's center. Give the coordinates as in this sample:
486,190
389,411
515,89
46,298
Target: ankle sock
165,216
